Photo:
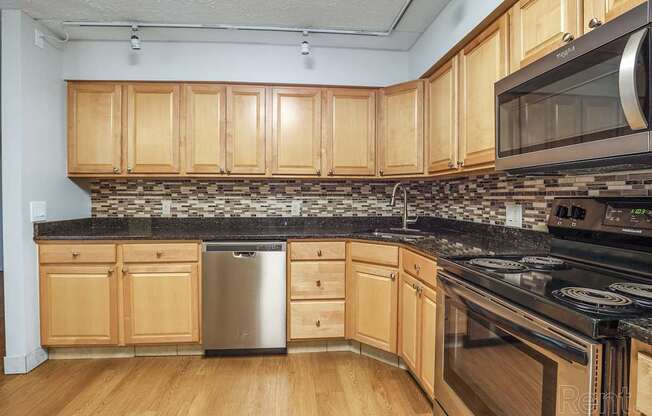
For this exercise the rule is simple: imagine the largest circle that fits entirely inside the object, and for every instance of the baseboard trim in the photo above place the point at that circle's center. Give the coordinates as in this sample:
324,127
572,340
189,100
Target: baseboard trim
80,353
22,364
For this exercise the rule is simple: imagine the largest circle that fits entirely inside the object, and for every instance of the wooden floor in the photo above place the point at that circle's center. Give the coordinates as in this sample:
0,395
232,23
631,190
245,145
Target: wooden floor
333,383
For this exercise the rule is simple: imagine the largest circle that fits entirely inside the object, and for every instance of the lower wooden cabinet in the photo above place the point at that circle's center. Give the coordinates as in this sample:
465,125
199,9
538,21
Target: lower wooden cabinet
90,296
640,400
161,303
427,329
409,322
317,319
79,305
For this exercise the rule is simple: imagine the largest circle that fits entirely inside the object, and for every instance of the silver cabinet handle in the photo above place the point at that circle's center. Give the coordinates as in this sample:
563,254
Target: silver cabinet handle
567,37
319,253
318,323
595,22
381,172
392,276
129,170
116,170
221,170
318,283
627,82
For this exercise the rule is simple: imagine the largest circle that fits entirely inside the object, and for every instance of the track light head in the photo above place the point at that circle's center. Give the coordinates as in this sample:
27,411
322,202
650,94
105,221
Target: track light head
305,45
135,39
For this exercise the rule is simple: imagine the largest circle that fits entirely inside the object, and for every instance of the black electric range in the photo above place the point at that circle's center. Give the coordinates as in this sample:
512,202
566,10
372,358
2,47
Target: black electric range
598,271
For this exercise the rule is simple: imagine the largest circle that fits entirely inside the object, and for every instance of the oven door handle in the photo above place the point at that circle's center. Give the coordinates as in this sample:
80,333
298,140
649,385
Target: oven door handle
509,319
627,81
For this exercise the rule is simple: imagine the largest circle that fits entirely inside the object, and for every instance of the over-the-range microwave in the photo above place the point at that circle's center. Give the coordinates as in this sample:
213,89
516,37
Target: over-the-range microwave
584,105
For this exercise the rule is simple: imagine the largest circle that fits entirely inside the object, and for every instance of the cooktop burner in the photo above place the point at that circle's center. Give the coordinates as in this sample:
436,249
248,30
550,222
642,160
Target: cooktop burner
639,291
544,262
596,301
500,265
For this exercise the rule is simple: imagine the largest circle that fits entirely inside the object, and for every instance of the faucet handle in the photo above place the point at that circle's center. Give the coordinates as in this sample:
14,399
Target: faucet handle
413,220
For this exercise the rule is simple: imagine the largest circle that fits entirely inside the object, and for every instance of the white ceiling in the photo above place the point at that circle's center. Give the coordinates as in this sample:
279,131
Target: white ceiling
368,15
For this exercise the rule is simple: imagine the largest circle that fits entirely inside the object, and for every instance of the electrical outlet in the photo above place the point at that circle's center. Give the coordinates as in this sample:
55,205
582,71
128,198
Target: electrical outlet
38,211
39,38
297,204
514,215
166,207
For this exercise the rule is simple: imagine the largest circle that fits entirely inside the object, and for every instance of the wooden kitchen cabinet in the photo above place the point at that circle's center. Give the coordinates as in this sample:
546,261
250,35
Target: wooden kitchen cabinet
427,334
482,62
296,131
78,305
541,26
442,118
350,132
153,128
94,128
317,319
375,306
205,127
640,400
410,316
606,10
246,130
400,147
161,303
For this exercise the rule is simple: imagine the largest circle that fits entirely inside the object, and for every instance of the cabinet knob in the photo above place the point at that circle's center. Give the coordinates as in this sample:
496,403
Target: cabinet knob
159,253
318,253
221,170
417,268
451,165
381,172
567,37
318,323
318,283
130,170
110,271
318,172
392,276
461,163
228,171
75,254
116,170
330,172
595,22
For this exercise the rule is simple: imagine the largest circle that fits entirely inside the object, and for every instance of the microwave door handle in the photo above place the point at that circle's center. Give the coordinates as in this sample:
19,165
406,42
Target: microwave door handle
627,81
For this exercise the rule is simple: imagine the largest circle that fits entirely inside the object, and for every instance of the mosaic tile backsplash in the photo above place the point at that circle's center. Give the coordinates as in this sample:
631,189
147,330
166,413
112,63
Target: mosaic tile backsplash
480,198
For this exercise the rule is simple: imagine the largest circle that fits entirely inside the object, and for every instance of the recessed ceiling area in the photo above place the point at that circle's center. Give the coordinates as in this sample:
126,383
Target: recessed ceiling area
358,15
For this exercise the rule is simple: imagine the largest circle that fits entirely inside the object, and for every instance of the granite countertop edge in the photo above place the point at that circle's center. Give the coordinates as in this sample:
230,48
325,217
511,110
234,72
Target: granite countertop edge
640,329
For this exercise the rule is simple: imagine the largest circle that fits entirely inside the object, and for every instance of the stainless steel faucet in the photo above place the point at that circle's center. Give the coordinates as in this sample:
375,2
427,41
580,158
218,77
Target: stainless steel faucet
392,203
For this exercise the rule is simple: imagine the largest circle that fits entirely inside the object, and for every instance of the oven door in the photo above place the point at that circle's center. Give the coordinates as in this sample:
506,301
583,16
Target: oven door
494,359
594,106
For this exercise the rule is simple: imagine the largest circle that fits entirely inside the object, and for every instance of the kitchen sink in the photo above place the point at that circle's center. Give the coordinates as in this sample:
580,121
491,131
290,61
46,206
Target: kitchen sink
400,233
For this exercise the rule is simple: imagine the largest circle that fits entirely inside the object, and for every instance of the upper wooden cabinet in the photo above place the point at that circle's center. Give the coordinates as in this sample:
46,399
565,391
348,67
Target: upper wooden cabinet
442,118
606,10
153,128
205,127
541,26
94,128
482,62
350,132
296,131
246,130
401,129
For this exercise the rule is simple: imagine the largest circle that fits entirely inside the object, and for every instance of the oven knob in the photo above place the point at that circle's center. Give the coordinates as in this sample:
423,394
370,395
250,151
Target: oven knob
578,213
562,212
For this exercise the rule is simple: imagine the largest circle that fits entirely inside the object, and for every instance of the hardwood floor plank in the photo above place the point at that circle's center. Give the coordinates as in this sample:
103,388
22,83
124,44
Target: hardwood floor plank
319,384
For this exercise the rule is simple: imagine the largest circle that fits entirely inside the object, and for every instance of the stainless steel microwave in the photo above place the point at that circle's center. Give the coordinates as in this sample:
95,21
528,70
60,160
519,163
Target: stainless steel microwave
584,105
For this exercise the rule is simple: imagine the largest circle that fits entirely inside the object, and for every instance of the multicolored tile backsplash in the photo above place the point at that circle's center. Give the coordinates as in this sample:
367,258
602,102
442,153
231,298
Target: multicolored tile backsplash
480,198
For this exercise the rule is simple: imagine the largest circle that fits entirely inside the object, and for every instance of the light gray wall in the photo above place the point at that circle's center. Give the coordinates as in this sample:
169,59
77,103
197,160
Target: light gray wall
33,169
202,61
457,20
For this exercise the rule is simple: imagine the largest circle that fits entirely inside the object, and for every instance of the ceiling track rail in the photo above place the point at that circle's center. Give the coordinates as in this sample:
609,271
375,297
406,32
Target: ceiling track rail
156,25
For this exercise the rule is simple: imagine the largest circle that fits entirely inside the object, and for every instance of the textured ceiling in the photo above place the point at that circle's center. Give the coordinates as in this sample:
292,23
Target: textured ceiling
370,15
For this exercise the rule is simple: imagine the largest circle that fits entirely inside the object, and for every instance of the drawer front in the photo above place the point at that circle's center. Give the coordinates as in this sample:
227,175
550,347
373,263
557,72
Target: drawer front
374,253
420,267
318,250
317,279
77,253
316,319
160,253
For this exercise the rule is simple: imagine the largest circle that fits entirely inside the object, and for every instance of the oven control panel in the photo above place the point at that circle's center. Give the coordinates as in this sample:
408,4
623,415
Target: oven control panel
631,216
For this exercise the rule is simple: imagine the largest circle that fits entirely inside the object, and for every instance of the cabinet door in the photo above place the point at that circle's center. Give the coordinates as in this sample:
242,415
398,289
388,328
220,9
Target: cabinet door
401,132
78,305
205,127
161,303
153,128
296,131
442,128
245,131
94,128
350,132
428,322
606,10
640,380
482,62
538,27
410,309
375,306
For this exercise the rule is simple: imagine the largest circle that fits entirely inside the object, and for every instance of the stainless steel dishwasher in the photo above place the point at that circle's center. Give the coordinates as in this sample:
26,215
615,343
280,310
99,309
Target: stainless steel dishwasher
243,297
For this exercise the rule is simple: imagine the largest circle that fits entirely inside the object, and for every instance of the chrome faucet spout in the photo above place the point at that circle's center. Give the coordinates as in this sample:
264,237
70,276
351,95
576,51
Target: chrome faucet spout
405,203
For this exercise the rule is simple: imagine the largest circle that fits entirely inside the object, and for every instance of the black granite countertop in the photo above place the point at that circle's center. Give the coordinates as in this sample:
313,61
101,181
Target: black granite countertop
444,237
640,329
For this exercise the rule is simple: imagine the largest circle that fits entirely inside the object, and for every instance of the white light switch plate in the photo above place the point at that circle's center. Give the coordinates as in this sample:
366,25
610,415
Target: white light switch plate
514,215
296,207
38,211
39,39
166,207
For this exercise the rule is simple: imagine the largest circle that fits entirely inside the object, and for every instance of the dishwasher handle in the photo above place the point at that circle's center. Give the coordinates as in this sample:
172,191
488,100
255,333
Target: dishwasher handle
244,254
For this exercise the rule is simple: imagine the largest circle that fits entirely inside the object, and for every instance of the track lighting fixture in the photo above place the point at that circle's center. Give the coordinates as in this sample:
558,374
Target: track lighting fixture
135,39
305,45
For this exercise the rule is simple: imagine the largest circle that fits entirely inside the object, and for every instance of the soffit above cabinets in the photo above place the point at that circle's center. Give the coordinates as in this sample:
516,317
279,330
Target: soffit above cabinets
358,15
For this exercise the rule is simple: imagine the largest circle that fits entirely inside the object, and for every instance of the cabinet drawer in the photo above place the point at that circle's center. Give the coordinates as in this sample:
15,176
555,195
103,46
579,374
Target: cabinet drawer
374,253
317,279
317,319
318,250
77,253
165,252
420,267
